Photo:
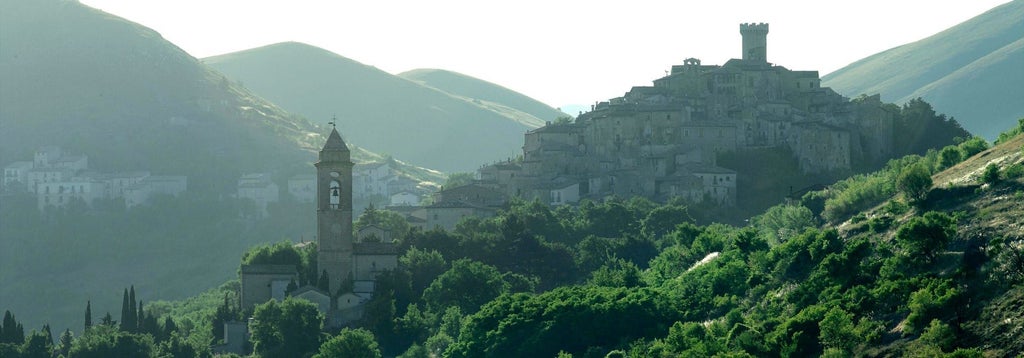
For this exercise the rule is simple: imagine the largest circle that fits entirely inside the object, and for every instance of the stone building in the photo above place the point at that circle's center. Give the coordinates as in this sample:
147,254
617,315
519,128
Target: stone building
663,141
261,283
341,256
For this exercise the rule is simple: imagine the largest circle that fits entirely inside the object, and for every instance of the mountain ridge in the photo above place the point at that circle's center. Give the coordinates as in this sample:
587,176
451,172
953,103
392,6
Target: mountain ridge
463,85
390,114
976,60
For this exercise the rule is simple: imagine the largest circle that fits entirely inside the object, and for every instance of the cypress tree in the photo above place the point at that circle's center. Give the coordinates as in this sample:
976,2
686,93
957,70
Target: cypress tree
169,327
88,315
133,314
11,331
139,318
108,320
125,311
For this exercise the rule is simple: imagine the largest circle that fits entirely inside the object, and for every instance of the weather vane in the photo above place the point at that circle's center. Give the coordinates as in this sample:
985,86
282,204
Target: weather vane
332,122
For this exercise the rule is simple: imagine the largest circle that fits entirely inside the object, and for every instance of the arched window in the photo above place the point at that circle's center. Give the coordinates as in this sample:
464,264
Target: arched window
335,194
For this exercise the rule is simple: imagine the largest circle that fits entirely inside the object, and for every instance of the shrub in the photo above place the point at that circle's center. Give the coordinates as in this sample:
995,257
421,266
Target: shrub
914,182
991,175
1014,171
928,304
949,156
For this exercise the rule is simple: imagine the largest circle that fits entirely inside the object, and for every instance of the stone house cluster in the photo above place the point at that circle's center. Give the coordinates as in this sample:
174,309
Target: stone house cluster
662,141
450,205
382,180
372,181
57,179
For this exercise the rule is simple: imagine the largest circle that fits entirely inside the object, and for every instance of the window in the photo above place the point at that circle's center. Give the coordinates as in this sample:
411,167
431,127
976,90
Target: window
334,194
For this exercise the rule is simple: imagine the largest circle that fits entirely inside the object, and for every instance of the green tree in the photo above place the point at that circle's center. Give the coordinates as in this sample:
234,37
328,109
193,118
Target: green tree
468,284
663,220
926,235
388,220
66,340
11,331
617,273
837,330
88,315
38,345
949,156
783,221
973,146
224,313
914,182
177,346
423,267
934,301
350,343
287,329
938,334
991,175
108,341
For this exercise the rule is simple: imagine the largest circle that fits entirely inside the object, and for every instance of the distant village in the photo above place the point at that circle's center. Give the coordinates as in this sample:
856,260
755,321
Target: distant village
58,179
662,141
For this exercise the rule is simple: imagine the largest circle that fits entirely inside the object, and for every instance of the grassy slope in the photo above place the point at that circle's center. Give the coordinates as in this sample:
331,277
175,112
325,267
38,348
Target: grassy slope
380,111
961,53
984,212
484,92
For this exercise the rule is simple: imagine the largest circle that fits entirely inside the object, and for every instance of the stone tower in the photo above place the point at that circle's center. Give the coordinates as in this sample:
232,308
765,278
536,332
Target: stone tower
755,42
334,211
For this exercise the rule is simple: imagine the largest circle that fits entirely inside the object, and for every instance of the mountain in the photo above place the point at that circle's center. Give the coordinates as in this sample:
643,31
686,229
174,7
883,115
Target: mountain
100,85
389,114
480,91
971,71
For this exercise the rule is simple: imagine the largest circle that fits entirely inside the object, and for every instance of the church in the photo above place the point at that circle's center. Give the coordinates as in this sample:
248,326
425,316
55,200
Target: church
350,262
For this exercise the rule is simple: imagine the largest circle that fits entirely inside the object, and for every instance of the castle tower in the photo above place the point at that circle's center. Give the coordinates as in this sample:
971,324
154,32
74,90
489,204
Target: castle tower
755,42
334,211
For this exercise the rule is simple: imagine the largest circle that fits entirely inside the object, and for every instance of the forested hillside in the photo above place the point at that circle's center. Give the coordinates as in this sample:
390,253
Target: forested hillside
923,258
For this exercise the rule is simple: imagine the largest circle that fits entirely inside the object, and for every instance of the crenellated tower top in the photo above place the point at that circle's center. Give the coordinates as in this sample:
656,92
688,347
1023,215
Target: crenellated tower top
755,42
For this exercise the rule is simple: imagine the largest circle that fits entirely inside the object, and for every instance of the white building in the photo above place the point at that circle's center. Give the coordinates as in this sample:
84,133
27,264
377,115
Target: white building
39,176
117,183
142,191
61,193
17,174
302,187
568,194
45,156
260,189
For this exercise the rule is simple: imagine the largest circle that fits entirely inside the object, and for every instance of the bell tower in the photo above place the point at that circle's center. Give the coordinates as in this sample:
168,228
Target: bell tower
334,211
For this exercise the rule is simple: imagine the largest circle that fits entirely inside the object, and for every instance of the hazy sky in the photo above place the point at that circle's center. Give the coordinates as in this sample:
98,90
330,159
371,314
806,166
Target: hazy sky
559,52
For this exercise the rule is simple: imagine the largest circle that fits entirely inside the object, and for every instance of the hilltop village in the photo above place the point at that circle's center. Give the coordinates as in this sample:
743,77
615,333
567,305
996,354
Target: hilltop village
663,141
